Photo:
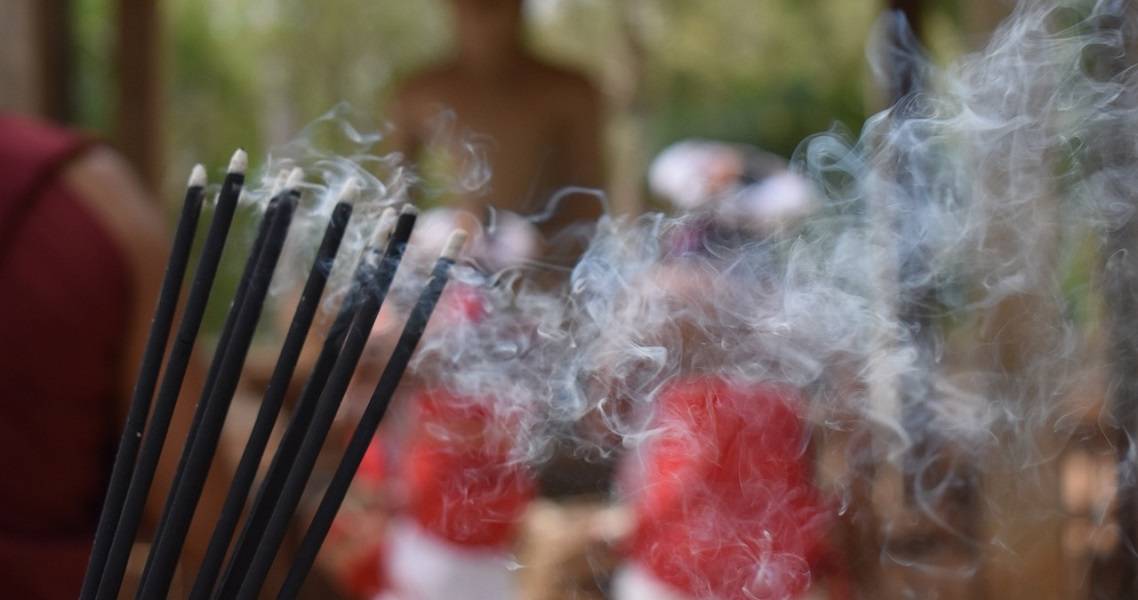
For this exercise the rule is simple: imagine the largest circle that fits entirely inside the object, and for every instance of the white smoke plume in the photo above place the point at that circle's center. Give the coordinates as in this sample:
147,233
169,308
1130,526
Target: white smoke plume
924,303
923,306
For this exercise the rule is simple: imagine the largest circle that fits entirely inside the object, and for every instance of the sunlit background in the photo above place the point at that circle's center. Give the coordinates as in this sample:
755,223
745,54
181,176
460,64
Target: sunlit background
178,82
254,72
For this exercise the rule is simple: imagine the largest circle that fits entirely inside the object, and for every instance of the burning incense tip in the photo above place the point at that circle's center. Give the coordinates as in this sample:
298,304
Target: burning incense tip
295,177
197,176
278,183
239,162
386,224
350,192
408,209
454,244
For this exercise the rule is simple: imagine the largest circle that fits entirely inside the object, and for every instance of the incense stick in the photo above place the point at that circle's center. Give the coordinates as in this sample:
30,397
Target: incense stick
219,353
239,295
110,580
246,470
285,455
371,418
322,418
147,379
199,451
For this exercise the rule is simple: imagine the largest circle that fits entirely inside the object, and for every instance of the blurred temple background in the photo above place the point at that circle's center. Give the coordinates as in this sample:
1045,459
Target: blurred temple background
176,82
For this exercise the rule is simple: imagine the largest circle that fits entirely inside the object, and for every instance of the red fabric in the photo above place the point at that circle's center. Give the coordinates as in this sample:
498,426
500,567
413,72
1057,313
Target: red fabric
373,468
453,469
456,478
64,301
723,497
460,302
364,577
456,466
457,471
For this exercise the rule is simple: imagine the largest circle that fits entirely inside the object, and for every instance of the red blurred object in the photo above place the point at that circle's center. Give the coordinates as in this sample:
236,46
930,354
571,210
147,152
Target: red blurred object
63,313
461,484
457,472
363,577
723,497
373,469
357,532
453,470
460,303
457,480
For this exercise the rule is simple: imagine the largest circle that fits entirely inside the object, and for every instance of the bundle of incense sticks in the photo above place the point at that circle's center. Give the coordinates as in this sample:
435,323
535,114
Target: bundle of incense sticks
279,494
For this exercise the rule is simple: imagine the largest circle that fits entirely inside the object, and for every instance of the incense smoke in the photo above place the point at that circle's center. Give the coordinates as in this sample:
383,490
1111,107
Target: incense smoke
970,188
926,305
931,309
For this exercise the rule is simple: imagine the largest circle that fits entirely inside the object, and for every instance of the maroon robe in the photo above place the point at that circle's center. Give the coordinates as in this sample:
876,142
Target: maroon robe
65,294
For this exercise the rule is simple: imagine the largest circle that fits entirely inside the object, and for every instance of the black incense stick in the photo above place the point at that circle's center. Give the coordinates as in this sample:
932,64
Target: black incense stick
325,414
147,378
110,580
285,454
371,418
199,451
239,293
219,354
274,394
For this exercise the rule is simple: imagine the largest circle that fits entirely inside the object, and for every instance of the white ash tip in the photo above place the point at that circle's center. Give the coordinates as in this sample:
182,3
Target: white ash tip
197,176
278,182
408,209
350,191
239,162
295,177
454,244
385,226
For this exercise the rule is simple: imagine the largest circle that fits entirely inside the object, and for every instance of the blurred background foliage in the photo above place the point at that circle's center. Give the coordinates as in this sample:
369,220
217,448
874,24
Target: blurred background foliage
253,72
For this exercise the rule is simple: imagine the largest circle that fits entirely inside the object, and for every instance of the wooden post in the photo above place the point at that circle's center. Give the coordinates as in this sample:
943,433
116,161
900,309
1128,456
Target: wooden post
626,84
1121,288
36,66
18,77
56,63
138,132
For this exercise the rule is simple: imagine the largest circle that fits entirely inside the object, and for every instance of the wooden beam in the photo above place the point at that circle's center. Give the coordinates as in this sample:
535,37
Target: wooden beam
1120,275
138,87
55,46
18,78
36,58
